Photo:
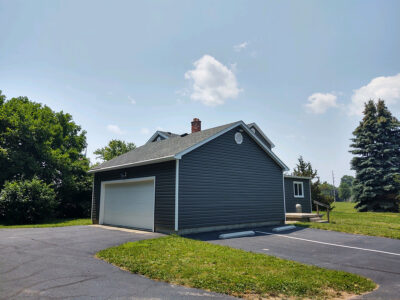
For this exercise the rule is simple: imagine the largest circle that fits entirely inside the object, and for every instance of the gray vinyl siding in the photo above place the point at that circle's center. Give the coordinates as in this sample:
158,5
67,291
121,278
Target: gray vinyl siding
262,138
164,215
223,183
291,201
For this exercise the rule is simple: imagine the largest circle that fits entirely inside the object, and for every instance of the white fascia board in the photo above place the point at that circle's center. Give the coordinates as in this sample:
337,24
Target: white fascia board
156,134
249,132
177,195
190,149
135,164
297,177
262,133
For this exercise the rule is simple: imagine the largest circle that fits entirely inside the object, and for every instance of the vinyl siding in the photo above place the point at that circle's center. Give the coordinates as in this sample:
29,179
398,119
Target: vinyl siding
291,201
223,183
164,215
262,138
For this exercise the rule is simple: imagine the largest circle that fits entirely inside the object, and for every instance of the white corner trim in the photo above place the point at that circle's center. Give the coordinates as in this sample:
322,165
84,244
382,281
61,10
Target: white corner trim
248,131
284,195
302,189
155,134
139,163
262,133
103,195
177,195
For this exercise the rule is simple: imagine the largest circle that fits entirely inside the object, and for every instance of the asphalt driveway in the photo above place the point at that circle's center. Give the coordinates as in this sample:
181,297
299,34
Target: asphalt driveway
50,263
373,257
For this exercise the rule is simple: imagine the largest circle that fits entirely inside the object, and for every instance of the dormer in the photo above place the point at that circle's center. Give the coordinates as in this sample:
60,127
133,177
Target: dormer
261,135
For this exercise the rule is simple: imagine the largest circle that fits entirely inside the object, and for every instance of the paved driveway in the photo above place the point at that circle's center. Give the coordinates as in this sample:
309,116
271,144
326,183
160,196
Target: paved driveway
50,263
373,257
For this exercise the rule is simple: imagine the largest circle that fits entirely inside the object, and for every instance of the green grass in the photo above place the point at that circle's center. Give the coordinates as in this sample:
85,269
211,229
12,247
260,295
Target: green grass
52,223
345,218
231,271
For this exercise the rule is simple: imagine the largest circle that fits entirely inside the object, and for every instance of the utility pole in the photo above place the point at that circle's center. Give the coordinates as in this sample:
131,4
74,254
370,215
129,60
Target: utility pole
334,188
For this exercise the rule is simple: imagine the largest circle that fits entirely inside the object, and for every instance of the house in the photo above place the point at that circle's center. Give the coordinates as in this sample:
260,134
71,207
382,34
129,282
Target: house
219,178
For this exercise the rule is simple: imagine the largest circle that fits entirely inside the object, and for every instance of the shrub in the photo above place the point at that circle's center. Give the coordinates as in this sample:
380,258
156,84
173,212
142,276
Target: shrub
26,202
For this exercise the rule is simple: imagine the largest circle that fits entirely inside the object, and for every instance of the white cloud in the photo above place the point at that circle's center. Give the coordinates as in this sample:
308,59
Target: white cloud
385,88
133,101
240,47
144,131
213,83
319,103
114,129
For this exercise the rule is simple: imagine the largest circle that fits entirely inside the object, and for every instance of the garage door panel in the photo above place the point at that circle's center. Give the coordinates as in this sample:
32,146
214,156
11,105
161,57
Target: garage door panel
129,204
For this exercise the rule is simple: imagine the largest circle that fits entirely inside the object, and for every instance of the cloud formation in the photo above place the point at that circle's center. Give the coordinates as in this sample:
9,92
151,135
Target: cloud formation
319,103
240,47
114,129
213,82
385,88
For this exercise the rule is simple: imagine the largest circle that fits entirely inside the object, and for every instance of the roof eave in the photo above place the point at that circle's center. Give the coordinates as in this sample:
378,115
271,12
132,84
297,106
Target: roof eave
135,164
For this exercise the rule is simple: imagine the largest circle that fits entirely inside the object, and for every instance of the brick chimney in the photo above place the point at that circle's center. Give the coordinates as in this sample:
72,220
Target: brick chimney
196,125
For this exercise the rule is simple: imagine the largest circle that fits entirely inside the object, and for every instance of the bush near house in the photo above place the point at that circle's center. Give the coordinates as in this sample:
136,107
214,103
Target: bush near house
36,141
26,201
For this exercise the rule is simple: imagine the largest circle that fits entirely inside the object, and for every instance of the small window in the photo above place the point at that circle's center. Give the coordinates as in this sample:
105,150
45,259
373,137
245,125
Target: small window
253,129
238,138
298,189
158,138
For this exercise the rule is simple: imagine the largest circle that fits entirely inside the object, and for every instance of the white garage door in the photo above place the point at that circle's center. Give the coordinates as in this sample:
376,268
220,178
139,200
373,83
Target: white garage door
128,203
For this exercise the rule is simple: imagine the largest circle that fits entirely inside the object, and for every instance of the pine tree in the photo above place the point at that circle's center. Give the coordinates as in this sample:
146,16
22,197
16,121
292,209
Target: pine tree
305,169
376,146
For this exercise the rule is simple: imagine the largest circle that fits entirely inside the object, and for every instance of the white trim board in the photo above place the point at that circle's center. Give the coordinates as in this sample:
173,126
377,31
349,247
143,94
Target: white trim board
262,133
135,164
302,189
248,131
177,195
130,180
297,177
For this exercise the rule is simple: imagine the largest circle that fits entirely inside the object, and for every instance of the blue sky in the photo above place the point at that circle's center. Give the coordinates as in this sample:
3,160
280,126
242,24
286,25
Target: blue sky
299,69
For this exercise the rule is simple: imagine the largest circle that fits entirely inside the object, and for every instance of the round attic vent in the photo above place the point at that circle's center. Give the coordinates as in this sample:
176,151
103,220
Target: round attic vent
238,138
253,129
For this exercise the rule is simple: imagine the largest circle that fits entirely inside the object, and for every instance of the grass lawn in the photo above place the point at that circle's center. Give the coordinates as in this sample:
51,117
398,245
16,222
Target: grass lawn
345,218
231,271
52,223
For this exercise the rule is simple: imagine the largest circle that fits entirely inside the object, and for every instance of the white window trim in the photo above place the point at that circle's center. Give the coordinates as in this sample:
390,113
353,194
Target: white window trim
103,189
302,189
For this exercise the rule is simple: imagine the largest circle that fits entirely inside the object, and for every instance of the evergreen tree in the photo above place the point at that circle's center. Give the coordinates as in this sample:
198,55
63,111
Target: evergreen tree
376,146
305,169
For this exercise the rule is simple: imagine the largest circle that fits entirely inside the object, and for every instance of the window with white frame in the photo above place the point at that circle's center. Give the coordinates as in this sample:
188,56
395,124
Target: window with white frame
298,189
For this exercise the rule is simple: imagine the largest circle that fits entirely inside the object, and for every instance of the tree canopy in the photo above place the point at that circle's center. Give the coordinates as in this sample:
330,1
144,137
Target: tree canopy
376,150
37,142
114,149
305,169
345,187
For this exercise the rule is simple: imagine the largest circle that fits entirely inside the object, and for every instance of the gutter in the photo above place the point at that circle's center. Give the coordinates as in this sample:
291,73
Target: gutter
135,164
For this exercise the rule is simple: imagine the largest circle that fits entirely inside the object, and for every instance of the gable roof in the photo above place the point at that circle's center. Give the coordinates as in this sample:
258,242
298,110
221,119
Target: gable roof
164,134
175,147
262,133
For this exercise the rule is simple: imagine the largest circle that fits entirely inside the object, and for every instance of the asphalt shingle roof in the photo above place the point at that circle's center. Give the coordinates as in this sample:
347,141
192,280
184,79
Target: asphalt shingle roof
160,149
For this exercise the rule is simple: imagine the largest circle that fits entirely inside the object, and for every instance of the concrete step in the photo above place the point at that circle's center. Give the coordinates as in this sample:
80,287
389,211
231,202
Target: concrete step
318,220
